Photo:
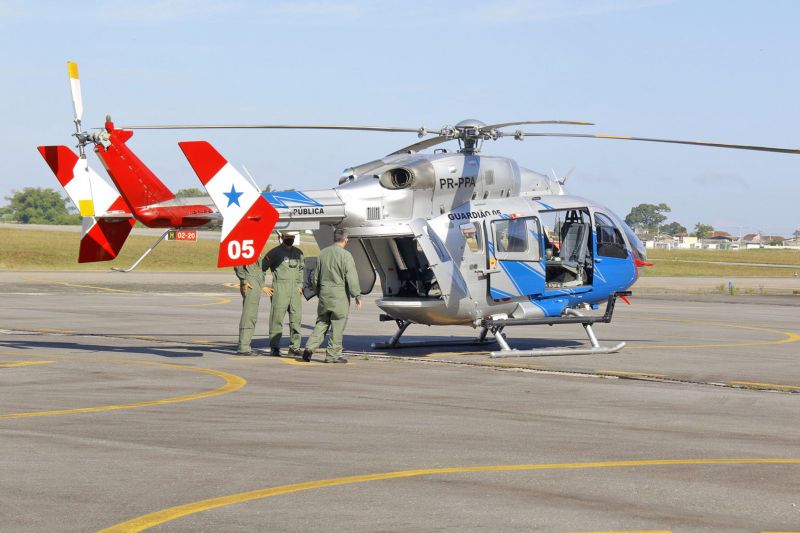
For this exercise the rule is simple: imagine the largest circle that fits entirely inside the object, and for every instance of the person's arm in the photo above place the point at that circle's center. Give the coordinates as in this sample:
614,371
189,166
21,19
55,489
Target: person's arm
241,273
353,285
301,271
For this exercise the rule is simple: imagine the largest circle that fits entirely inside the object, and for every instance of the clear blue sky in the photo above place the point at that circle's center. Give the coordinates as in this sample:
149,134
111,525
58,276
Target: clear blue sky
700,70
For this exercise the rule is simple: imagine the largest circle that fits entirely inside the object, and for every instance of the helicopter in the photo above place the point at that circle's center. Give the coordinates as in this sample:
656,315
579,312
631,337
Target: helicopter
455,237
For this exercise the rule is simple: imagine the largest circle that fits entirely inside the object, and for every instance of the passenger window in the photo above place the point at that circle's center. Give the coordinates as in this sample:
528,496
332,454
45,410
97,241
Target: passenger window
609,239
516,239
472,236
511,235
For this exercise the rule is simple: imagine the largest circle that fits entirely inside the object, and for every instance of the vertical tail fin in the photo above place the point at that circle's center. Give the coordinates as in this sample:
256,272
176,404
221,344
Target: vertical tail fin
247,218
107,221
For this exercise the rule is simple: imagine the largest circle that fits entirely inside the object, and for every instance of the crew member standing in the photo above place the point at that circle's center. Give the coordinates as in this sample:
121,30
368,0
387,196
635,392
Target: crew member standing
336,281
285,261
251,283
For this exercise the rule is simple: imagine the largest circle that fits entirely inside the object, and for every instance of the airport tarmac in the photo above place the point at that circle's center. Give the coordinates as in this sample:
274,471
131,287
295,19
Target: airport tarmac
122,407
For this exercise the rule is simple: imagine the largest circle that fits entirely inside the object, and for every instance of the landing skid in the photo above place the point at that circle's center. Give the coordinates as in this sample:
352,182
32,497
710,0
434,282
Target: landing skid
117,269
574,317
402,325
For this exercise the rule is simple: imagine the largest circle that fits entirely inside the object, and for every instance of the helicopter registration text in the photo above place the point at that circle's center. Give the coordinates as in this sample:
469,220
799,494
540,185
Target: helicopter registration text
451,183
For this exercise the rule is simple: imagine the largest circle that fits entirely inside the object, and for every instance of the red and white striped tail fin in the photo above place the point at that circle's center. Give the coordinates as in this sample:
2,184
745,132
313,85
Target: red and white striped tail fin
247,217
107,221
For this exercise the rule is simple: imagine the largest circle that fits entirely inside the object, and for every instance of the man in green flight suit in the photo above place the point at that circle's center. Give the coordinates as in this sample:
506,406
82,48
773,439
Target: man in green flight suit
251,284
336,281
286,263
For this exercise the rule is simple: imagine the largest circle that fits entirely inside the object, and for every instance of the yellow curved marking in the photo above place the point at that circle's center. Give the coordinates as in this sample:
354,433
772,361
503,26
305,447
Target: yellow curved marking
231,285
160,517
232,383
789,336
11,364
220,301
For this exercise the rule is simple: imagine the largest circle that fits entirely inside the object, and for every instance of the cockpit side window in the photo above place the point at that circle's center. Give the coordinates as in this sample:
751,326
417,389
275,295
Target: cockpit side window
609,239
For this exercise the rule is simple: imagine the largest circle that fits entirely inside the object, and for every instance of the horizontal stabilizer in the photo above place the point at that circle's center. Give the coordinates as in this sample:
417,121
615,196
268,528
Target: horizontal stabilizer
247,218
102,238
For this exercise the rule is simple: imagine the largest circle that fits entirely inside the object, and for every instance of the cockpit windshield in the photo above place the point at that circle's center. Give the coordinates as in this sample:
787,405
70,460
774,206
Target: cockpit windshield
639,250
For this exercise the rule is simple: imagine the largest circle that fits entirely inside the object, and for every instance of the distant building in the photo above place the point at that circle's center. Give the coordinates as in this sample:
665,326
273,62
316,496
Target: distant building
722,236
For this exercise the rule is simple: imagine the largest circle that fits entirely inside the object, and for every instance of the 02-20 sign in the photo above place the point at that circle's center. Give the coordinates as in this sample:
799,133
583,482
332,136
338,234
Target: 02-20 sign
244,249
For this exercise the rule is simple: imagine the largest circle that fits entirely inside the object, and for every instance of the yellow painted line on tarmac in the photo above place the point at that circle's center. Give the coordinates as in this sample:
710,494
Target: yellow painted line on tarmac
622,373
789,336
757,385
12,364
220,301
167,515
296,362
68,284
51,330
232,383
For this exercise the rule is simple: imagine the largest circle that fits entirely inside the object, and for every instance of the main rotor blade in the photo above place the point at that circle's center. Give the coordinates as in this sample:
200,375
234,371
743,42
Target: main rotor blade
75,90
506,124
421,145
670,141
422,131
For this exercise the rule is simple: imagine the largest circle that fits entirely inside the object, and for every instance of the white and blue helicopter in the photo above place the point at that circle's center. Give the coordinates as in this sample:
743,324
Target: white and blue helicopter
455,237
460,238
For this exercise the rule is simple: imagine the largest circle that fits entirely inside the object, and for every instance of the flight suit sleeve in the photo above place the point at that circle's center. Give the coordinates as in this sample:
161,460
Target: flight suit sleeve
315,276
353,285
301,270
241,273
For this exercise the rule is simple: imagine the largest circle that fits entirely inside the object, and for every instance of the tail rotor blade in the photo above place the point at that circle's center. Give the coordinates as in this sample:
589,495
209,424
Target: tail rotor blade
75,90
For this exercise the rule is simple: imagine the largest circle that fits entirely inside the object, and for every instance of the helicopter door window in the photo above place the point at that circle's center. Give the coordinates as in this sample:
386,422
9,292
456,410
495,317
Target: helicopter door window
472,236
609,239
515,239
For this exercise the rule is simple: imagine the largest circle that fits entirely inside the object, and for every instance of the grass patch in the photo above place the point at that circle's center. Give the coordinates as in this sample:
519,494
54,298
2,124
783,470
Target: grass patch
765,256
58,250
670,263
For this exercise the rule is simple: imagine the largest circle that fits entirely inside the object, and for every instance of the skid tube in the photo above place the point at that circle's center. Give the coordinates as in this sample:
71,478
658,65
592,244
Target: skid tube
575,317
402,325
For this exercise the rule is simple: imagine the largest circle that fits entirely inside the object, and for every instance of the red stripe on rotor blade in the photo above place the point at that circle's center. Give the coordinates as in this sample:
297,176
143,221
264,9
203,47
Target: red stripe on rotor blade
104,240
61,161
255,226
204,158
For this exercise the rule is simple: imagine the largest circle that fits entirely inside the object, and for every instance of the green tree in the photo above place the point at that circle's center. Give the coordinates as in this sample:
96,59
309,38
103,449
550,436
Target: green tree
701,231
35,205
796,234
268,188
647,216
673,228
190,193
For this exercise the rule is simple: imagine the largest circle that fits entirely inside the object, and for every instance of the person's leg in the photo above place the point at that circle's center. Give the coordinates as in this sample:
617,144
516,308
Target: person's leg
279,306
338,323
295,317
247,323
323,321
